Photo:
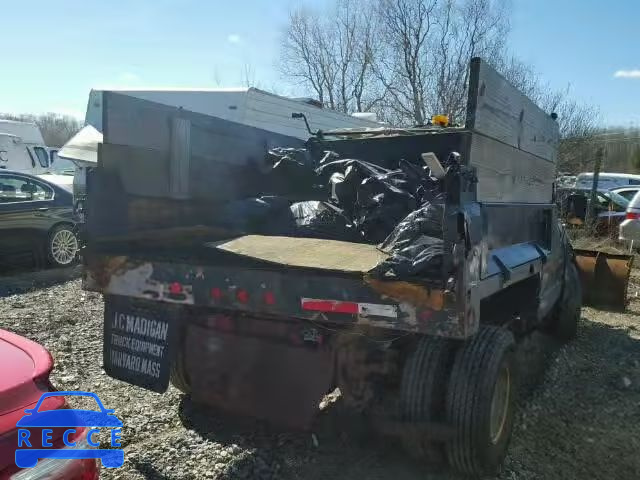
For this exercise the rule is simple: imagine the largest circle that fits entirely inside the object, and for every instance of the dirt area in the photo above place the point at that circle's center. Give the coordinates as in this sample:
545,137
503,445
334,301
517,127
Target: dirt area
580,420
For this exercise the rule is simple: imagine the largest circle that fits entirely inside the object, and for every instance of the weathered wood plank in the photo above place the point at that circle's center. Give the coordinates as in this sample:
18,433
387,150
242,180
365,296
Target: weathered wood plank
147,172
199,155
507,174
142,123
499,110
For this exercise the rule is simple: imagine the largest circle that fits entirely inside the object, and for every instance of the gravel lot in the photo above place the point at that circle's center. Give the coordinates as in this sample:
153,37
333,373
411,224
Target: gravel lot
580,420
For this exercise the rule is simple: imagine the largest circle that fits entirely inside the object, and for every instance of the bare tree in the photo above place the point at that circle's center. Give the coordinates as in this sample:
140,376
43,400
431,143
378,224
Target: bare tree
406,26
409,59
56,129
465,29
249,75
333,55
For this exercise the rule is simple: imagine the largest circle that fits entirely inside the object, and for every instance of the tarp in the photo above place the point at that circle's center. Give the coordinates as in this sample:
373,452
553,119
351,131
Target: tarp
83,146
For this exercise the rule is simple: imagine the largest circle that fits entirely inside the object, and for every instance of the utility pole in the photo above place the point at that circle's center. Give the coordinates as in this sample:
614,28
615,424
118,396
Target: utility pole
594,187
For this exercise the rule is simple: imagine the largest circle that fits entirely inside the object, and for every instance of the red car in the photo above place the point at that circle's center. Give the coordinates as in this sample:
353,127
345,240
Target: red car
24,378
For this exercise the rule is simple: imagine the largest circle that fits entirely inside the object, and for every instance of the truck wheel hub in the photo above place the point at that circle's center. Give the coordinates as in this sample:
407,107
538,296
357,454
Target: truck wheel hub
500,405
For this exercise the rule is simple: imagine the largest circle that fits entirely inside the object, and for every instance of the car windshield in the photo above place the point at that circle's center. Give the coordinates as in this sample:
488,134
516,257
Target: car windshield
618,199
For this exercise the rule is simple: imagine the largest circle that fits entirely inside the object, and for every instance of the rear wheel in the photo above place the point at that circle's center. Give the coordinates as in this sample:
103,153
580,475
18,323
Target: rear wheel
422,391
62,246
480,402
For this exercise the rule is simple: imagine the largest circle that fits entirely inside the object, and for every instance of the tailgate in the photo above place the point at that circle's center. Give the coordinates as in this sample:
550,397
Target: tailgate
317,280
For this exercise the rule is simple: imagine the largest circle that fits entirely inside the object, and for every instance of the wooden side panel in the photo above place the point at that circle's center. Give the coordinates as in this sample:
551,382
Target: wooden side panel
499,110
163,151
507,174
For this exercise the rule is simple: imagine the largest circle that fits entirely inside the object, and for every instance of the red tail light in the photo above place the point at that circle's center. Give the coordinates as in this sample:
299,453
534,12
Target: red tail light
175,288
216,293
242,296
632,216
269,298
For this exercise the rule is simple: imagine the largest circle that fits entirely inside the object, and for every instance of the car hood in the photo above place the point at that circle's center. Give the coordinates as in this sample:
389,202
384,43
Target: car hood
27,379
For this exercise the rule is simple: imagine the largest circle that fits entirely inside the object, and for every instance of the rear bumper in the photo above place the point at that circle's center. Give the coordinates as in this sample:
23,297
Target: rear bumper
630,230
280,293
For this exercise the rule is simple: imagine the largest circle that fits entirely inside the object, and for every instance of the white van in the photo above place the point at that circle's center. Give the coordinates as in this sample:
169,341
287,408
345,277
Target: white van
606,181
22,148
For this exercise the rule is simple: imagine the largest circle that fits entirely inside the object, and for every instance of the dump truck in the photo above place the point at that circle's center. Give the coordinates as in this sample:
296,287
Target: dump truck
251,319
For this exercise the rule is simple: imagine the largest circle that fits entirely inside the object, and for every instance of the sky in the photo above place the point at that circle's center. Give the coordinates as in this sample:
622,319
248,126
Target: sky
56,51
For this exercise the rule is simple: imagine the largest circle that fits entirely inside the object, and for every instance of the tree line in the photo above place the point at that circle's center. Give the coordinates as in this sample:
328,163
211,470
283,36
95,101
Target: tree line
56,129
407,60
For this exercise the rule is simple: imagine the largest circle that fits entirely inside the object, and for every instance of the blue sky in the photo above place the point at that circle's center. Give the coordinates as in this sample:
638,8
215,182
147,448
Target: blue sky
58,50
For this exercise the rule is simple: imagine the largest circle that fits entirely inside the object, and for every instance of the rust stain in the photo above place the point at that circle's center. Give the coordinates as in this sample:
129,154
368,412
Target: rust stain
101,269
604,277
417,295
363,368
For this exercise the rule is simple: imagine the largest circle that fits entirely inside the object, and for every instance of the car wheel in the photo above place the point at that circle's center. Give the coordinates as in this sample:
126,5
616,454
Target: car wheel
62,246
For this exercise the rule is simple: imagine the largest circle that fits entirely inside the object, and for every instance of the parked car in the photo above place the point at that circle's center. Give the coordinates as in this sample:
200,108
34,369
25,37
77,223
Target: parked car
609,209
627,192
606,181
630,227
36,217
21,387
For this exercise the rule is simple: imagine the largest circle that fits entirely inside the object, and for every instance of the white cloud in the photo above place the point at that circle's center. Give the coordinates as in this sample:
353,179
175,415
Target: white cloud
627,74
234,38
128,77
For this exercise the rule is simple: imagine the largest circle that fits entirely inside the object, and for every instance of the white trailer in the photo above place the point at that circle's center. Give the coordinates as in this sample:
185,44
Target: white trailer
246,106
22,148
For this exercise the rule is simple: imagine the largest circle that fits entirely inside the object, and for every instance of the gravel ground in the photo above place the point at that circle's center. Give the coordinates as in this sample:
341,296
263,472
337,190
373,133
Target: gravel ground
580,420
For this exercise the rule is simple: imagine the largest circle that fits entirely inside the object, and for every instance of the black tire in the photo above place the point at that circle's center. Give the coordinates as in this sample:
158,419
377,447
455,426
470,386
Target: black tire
482,369
423,388
569,308
62,246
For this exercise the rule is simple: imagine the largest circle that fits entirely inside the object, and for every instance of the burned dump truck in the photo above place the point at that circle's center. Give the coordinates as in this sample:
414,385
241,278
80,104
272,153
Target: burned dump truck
403,266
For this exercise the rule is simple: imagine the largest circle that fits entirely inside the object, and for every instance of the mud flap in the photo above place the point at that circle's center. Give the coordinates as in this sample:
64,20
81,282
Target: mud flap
248,376
137,342
604,278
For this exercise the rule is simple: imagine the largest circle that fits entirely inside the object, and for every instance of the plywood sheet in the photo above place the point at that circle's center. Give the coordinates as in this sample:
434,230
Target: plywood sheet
307,252
507,174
